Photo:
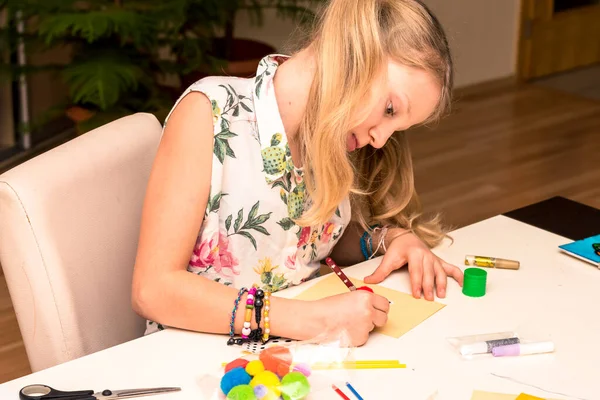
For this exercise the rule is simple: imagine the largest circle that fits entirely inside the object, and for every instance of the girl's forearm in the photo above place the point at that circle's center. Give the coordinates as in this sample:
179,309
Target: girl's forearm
188,301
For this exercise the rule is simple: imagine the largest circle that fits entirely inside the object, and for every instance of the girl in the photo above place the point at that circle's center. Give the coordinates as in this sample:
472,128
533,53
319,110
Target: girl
258,180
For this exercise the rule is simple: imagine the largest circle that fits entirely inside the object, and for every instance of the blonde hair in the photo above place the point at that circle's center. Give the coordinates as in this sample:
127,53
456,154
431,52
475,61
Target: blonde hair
352,43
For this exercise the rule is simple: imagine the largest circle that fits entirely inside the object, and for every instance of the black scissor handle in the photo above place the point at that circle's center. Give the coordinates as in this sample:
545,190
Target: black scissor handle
44,392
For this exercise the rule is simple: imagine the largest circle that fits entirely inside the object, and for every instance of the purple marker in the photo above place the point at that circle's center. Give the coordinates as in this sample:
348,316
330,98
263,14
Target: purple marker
522,349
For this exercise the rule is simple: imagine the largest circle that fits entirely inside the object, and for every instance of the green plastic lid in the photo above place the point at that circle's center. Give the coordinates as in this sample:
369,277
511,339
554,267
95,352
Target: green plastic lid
474,282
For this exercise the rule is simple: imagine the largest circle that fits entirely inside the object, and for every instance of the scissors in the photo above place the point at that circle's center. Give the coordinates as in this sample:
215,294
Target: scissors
44,392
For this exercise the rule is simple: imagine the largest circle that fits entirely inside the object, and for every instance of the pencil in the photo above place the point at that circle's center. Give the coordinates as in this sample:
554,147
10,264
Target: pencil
337,270
338,391
354,392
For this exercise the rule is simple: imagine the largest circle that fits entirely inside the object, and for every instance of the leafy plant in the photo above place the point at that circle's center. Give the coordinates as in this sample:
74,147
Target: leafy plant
122,51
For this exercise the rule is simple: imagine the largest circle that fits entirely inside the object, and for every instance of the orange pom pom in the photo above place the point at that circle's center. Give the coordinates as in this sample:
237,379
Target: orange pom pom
277,359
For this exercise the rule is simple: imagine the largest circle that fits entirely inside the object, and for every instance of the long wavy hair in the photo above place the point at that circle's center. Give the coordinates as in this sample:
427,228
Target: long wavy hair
352,42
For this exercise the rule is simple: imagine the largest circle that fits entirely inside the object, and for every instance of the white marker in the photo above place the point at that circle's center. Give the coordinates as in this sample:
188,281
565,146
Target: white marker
523,349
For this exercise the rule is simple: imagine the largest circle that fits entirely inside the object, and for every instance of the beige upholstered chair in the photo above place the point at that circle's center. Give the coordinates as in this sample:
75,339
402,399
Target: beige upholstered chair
69,223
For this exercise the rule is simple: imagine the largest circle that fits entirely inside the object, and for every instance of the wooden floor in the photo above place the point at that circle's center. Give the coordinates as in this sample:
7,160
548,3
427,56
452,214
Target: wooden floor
503,148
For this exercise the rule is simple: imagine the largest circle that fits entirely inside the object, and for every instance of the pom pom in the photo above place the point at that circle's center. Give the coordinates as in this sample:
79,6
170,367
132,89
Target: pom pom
294,386
277,359
260,391
270,381
233,378
303,368
255,367
241,392
239,362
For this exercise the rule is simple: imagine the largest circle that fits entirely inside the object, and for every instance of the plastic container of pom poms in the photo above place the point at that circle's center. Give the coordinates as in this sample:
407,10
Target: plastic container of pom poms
281,372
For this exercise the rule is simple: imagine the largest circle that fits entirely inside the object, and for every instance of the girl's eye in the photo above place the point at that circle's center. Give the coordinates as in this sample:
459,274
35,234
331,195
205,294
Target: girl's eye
390,110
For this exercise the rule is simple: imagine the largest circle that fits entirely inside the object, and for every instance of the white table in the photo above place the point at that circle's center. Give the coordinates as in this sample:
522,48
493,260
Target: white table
552,296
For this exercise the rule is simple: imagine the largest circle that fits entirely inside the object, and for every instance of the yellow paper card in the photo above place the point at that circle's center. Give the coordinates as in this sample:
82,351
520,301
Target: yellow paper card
479,395
405,313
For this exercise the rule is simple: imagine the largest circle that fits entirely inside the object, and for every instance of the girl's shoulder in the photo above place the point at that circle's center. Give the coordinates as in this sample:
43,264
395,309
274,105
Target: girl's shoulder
222,92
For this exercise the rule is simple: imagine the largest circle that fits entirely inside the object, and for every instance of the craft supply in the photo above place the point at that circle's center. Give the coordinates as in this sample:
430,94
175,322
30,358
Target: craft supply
587,249
481,395
45,392
305,369
276,359
487,346
255,367
525,396
474,282
338,272
491,262
354,392
233,378
242,392
521,349
294,386
340,393
405,314
237,363
357,365
254,382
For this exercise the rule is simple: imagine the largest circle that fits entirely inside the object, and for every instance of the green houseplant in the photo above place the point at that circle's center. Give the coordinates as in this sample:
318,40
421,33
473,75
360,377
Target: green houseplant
125,52
238,56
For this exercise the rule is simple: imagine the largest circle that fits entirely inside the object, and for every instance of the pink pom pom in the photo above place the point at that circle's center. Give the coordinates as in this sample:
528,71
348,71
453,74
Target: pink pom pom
303,368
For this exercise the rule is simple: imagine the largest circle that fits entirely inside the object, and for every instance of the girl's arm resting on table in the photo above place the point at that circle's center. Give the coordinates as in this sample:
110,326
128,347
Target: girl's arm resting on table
347,250
176,199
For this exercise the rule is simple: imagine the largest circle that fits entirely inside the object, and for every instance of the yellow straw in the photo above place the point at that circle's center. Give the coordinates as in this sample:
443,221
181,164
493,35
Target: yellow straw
359,364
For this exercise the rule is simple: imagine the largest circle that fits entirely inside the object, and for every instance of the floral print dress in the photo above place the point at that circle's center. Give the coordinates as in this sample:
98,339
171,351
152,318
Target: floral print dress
248,235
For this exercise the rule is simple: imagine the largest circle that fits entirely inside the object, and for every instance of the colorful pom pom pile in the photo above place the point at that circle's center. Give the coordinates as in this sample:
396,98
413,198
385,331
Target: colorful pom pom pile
268,378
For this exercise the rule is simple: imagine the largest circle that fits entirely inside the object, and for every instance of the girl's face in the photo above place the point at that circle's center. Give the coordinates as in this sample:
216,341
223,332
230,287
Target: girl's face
409,97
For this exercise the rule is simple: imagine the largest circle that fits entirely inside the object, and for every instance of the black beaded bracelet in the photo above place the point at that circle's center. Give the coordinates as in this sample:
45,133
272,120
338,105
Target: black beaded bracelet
256,334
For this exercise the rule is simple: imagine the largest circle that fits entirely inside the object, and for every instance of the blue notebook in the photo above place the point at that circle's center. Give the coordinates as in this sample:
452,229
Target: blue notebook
587,249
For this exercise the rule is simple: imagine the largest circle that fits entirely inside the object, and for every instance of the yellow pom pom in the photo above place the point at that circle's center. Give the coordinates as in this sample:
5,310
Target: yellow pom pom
269,380
255,367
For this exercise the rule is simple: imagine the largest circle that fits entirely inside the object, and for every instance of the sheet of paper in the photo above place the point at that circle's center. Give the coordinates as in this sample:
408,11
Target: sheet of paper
524,396
406,312
480,395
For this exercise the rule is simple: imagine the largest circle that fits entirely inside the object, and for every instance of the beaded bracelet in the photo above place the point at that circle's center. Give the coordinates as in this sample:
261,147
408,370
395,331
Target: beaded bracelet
233,312
267,308
248,317
258,304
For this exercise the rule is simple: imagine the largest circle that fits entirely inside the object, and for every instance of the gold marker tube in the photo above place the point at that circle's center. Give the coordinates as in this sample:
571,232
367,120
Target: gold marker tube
491,262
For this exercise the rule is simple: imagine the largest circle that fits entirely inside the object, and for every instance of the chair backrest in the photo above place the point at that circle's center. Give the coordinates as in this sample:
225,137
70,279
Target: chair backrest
69,224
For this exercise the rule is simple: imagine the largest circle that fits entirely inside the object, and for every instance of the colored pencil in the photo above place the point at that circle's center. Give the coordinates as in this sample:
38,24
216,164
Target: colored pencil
354,392
338,391
338,271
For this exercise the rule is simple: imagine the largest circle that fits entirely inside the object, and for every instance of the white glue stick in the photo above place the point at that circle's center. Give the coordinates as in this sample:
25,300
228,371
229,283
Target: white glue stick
522,349
486,347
